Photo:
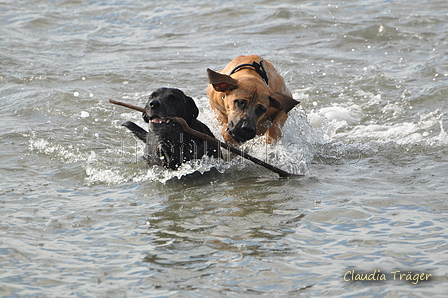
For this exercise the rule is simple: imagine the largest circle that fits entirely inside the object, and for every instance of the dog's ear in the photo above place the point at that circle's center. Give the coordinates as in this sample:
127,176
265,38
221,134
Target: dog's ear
221,82
191,108
282,102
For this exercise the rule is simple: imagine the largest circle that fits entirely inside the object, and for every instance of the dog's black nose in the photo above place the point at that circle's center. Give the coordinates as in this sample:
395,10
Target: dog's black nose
248,129
243,131
155,103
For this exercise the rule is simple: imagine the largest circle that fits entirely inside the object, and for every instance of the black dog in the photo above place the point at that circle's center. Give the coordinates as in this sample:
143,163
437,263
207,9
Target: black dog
167,144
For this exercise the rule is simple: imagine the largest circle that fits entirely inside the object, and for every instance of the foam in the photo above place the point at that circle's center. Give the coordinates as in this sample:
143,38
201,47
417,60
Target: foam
69,154
420,132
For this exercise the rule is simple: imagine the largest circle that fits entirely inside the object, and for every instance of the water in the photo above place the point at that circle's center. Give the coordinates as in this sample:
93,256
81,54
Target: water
83,216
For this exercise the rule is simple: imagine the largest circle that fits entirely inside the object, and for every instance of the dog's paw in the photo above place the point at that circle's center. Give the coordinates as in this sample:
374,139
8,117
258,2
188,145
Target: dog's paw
136,130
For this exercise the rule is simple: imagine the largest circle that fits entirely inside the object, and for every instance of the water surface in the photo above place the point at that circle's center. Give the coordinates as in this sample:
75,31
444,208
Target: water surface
83,216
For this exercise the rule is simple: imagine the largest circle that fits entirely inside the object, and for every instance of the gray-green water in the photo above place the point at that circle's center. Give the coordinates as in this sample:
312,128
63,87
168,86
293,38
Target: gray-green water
82,216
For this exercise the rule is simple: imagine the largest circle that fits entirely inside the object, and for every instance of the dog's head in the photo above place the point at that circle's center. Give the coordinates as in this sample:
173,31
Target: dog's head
168,102
247,100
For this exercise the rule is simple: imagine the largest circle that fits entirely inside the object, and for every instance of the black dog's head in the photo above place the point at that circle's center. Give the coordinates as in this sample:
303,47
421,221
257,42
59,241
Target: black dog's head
168,102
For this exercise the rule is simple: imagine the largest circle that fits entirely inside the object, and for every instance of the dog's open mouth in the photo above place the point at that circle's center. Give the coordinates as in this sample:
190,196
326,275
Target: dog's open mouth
159,120
160,125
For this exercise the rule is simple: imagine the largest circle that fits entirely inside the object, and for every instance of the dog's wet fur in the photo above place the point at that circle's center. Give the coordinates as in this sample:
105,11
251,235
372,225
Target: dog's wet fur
245,104
167,144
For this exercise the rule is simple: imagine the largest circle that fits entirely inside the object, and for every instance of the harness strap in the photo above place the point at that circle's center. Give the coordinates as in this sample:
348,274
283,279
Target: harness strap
258,67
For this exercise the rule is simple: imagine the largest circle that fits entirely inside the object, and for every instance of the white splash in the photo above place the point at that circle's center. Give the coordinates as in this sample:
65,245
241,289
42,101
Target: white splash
68,154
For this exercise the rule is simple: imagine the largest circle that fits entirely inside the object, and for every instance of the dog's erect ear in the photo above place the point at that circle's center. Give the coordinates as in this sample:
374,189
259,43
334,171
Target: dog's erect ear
221,82
282,102
192,109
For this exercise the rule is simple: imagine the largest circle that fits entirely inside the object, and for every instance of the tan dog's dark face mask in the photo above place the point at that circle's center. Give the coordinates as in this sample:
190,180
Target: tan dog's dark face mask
248,104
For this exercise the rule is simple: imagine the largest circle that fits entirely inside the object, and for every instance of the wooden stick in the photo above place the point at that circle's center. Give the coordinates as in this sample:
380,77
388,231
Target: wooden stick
127,105
208,138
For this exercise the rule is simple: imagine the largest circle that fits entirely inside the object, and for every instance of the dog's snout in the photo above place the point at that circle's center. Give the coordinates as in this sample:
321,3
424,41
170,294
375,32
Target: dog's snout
155,103
244,130
248,128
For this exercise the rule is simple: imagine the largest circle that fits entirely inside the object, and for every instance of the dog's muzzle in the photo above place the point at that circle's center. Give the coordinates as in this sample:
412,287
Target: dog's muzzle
155,116
243,131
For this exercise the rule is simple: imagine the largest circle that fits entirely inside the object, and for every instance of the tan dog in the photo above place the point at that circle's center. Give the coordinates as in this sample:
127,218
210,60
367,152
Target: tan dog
250,98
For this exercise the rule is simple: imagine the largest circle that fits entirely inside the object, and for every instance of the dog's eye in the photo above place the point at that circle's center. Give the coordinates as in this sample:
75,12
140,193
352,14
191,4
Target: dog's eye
241,103
260,109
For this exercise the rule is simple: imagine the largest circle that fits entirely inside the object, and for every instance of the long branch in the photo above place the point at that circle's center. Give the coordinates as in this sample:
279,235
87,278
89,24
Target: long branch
127,105
208,138
232,149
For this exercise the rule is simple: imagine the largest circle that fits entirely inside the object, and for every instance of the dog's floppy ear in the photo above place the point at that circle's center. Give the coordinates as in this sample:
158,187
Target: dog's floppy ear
221,82
192,109
282,102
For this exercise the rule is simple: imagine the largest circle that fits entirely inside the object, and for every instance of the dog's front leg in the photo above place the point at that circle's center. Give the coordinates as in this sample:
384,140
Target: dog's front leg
222,118
274,133
227,137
